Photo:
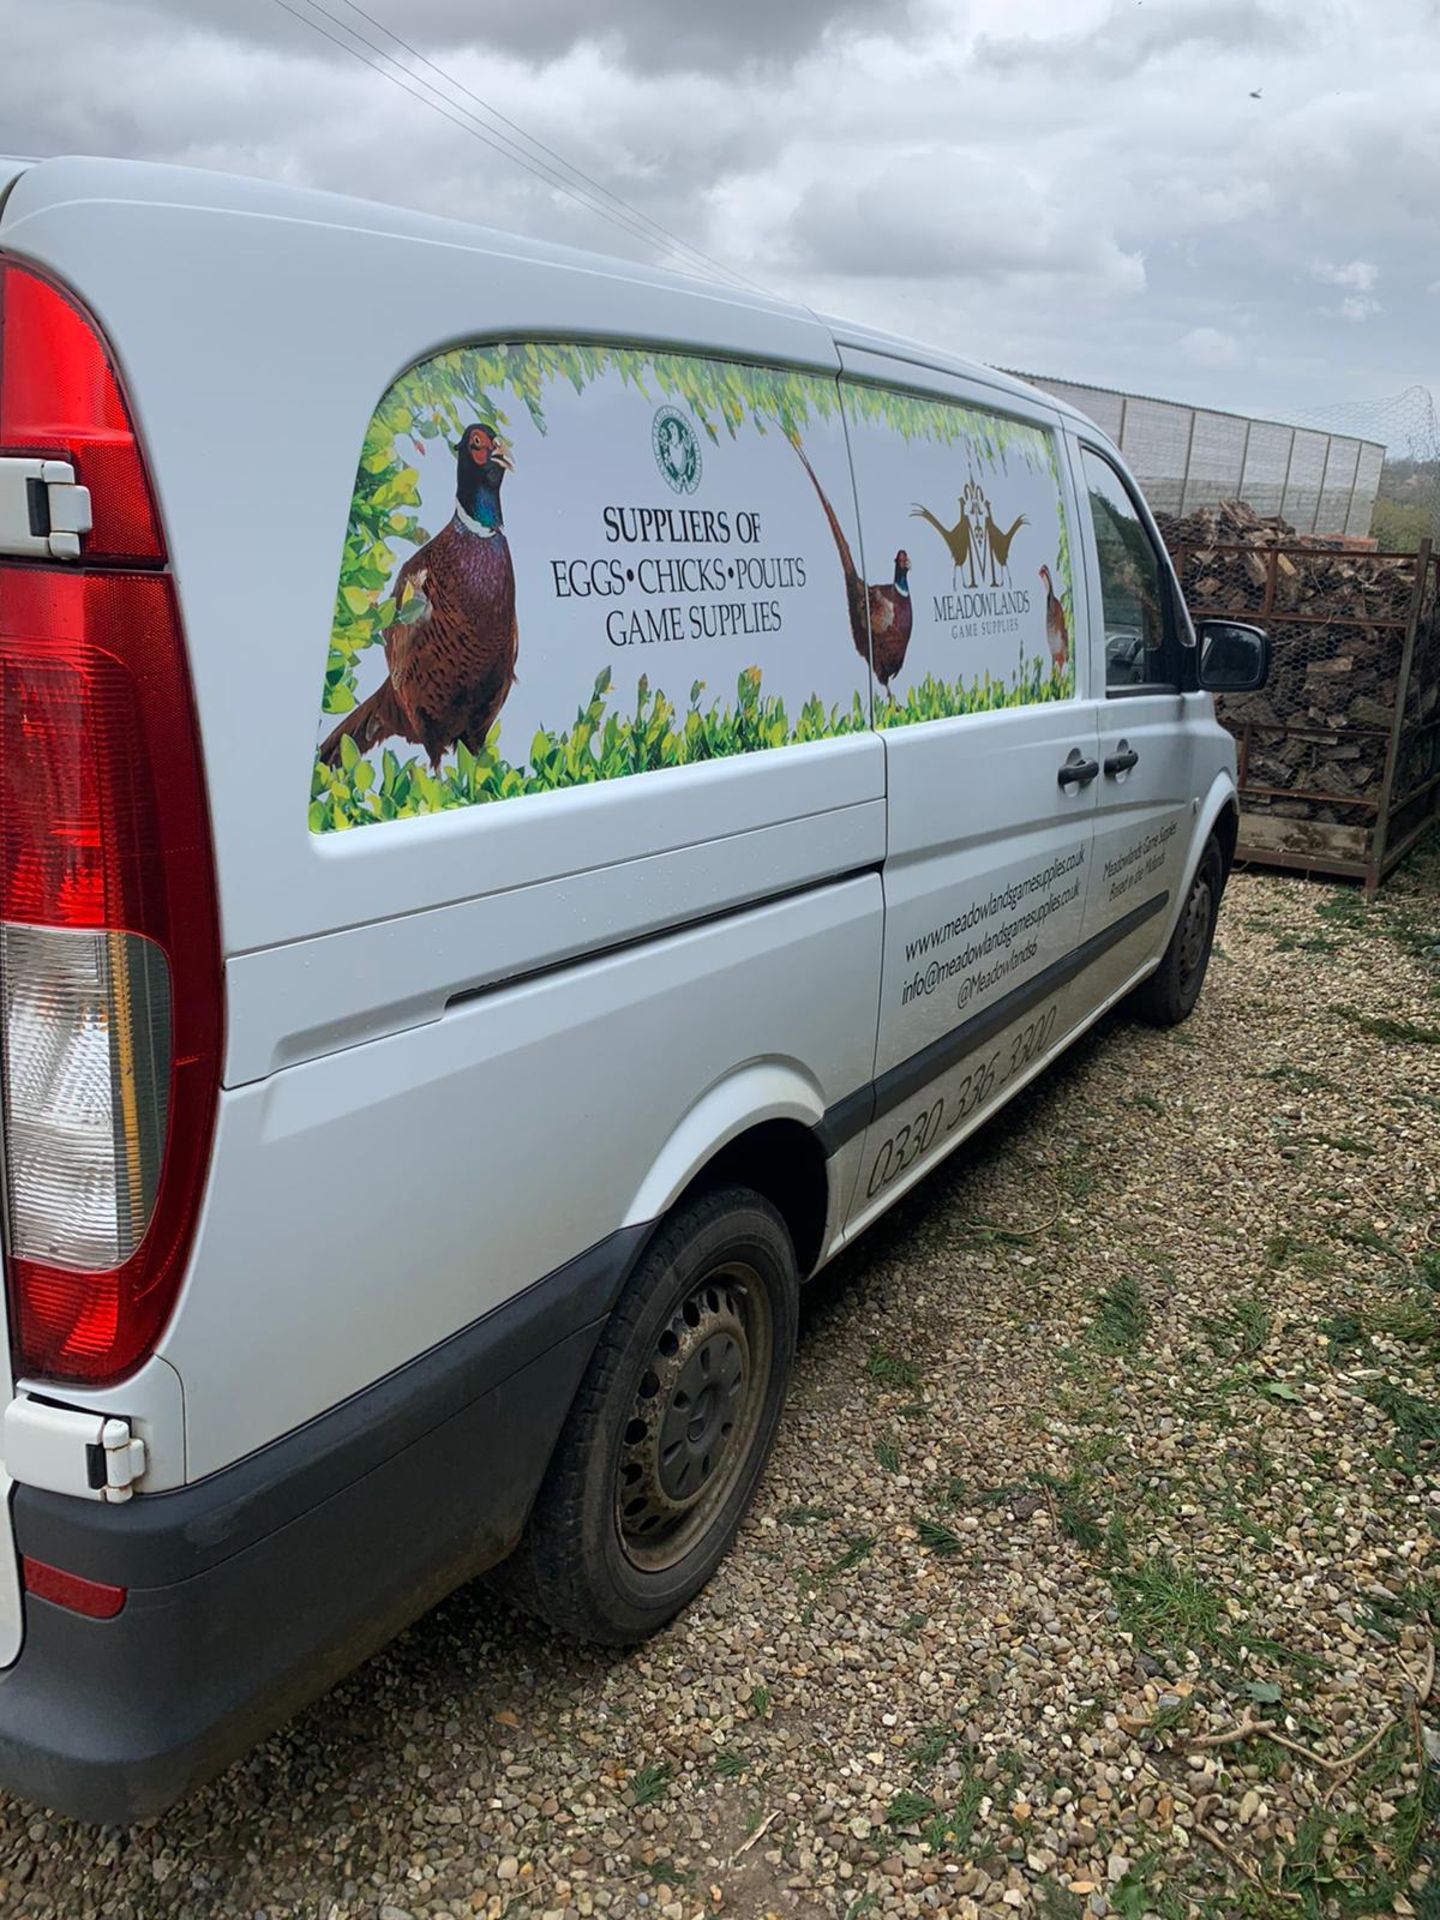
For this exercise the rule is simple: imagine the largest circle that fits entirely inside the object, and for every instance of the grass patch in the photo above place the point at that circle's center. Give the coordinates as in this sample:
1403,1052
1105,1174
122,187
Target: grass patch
731,1762
889,1370
665,1873
1078,1520
909,1808
953,1830
1240,1332
650,1784
1337,1143
859,1547
1367,1237
1416,1421
1121,1317
1304,1079
1403,1033
1307,943
1413,1323
931,1747
887,1455
942,1541
1167,1604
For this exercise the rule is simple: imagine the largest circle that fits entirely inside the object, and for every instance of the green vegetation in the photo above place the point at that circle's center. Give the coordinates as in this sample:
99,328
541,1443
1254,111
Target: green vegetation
1121,1317
889,1370
940,1539
1242,1329
1163,1603
600,746
1036,681
932,1746
953,1830
649,1784
1402,1032
908,1807
429,407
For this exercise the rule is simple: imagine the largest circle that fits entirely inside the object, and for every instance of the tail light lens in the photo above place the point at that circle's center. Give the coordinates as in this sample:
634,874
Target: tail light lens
110,1002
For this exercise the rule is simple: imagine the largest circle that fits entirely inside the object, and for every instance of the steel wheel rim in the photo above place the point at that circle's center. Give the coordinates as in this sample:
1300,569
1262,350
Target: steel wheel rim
694,1419
1195,930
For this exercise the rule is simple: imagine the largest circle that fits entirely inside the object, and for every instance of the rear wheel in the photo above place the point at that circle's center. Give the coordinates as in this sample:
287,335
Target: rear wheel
1169,995
671,1428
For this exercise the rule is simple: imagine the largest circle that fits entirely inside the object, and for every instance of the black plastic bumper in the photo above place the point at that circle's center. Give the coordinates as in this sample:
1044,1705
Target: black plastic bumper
253,1591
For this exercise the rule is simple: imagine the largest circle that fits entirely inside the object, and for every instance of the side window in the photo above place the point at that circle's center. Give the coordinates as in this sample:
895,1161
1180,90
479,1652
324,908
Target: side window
571,563
967,582
1135,599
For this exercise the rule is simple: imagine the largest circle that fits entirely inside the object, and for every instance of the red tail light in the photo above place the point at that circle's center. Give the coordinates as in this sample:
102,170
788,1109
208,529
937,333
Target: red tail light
110,1000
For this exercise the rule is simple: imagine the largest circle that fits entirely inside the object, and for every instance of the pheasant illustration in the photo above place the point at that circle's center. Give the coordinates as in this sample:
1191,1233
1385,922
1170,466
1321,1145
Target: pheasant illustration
891,617
881,617
997,540
957,538
452,645
1057,629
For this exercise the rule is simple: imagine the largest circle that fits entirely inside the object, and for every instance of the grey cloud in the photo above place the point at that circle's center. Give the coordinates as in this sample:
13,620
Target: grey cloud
650,36
1130,37
1104,201
951,212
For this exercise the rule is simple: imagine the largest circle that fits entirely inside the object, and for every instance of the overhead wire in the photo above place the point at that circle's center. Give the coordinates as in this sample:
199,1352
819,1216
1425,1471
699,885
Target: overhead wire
663,234
637,225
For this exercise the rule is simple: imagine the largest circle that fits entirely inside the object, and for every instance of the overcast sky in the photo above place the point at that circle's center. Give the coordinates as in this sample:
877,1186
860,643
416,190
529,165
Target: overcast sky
1085,188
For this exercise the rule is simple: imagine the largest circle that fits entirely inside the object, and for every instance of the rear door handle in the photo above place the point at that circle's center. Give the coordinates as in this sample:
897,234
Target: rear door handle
1078,773
1121,762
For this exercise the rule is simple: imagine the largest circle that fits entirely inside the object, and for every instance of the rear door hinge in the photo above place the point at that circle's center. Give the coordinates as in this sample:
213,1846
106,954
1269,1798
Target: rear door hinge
43,512
92,1455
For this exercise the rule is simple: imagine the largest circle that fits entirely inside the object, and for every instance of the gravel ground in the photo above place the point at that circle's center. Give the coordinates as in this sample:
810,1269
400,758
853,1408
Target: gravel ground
1118,1435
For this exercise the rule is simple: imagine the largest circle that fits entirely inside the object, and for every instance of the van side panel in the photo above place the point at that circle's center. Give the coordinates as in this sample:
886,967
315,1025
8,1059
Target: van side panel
367,1205
289,324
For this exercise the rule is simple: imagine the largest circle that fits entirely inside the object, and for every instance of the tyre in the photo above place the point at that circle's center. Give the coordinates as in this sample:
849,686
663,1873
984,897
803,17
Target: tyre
671,1428
1169,995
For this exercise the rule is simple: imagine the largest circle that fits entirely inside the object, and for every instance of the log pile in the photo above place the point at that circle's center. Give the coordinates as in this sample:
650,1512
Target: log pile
1336,618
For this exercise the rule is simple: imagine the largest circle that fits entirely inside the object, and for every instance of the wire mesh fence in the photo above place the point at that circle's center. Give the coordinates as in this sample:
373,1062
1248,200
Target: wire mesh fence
1186,457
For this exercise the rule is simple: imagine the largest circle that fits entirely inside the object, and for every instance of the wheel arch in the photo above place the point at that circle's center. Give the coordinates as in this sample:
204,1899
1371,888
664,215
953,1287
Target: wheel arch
1217,813
758,1128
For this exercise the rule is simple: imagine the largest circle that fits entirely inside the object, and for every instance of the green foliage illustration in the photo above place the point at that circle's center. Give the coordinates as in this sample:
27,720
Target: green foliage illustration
1035,681
602,745
427,409
435,400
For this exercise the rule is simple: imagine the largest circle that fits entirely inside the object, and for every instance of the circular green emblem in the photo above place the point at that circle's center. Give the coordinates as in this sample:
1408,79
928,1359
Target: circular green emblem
677,450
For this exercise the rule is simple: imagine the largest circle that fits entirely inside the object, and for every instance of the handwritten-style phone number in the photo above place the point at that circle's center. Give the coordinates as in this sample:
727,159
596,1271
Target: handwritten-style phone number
907,1145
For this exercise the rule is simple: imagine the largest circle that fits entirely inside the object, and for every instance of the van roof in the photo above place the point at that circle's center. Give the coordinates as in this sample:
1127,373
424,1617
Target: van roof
81,177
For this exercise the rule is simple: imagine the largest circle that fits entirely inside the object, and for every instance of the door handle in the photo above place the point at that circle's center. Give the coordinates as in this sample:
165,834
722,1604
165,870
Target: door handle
1078,773
1121,762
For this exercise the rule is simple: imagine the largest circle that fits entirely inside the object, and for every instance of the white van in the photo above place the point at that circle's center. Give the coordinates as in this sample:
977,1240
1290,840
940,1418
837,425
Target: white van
538,798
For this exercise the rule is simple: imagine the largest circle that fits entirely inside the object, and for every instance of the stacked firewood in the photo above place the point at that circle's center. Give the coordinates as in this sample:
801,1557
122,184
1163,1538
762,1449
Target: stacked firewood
1320,728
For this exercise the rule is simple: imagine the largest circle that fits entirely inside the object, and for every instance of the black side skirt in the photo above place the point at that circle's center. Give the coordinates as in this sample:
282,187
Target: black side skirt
909,1077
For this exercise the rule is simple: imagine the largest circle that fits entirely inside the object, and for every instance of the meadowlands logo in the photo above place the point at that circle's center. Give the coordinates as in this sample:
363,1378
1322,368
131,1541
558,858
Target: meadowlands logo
677,451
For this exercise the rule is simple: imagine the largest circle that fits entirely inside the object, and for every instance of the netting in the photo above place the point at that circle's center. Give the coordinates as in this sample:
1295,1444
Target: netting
1405,472
1321,481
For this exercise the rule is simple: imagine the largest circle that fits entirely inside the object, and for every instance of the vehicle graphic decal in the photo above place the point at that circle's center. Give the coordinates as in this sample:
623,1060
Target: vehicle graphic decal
569,563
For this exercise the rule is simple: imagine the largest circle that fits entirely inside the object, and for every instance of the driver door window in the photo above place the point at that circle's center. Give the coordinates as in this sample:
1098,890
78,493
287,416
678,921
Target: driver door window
1134,586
